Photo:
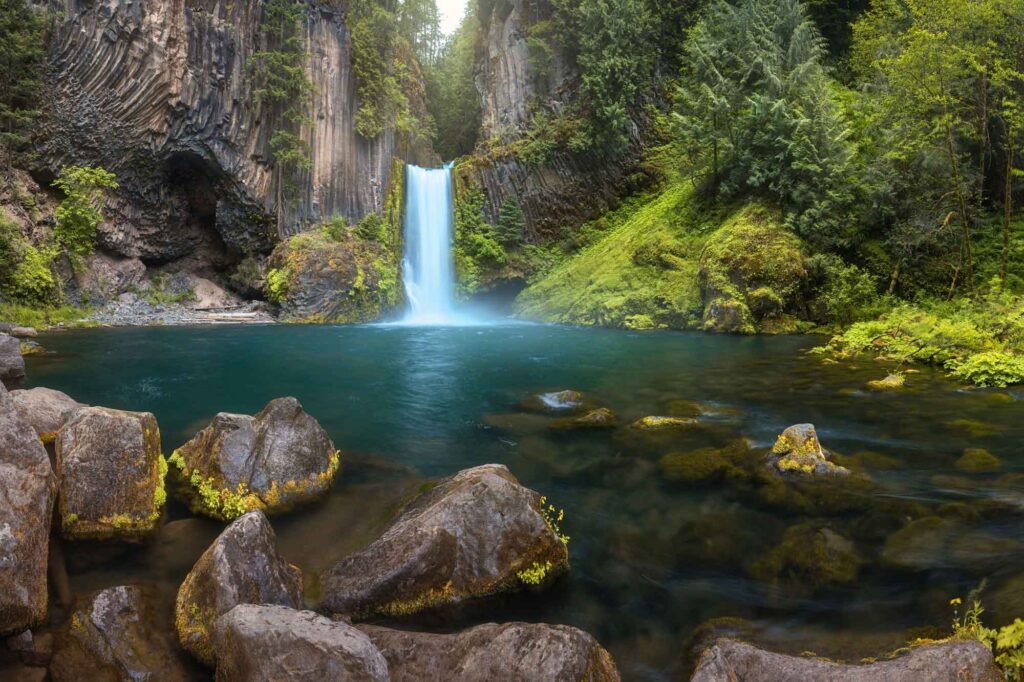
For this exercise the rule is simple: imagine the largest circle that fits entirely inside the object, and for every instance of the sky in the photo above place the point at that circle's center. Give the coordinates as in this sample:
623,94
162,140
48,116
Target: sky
451,14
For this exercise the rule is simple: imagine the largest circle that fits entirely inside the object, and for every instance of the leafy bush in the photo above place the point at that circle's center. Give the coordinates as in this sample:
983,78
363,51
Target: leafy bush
847,293
78,214
993,368
336,229
1007,643
277,285
33,281
372,228
476,249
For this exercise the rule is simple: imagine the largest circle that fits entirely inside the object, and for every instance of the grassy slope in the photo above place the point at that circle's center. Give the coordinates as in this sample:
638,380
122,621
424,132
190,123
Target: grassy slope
643,272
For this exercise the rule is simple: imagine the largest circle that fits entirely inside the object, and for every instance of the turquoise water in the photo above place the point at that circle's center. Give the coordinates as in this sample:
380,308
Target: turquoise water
651,560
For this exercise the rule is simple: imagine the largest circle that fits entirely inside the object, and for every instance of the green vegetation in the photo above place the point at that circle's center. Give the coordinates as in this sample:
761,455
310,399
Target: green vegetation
22,58
477,249
78,214
452,98
1007,643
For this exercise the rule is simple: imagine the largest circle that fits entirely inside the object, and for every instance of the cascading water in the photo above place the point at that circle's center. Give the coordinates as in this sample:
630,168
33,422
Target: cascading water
427,269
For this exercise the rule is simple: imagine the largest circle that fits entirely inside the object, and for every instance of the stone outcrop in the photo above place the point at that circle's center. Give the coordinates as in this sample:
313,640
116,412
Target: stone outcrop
263,643
953,661
161,94
242,566
798,451
517,652
12,364
111,473
116,635
239,463
27,492
475,534
44,409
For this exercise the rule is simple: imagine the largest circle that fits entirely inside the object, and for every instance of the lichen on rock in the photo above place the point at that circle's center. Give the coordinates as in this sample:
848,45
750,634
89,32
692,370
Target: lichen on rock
798,451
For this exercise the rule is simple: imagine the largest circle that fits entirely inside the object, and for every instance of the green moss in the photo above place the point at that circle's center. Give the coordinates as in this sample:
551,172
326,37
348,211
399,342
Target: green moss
810,558
978,460
892,382
700,466
535,574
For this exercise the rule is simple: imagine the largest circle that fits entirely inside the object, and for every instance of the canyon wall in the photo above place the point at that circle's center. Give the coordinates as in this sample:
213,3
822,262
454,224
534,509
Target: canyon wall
160,92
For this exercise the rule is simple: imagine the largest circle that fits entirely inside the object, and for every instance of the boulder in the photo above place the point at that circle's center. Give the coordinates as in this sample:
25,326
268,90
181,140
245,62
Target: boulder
12,364
516,652
27,491
271,462
24,332
809,558
116,635
111,474
44,409
242,566
798,451
659,423
266,643
554,401
707,465
105,276
476,534
978,460
600,418
952,661
891,382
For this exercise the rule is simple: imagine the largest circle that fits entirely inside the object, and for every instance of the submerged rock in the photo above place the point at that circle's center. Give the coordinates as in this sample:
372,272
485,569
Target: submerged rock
265,643
12,364
685,409
892,382
45,409
271,462
659,423
115,636
798,451
978,460
111,474
600,418
706,465
555,401
27,491
953,661
242,566
809,558
512,651
476,534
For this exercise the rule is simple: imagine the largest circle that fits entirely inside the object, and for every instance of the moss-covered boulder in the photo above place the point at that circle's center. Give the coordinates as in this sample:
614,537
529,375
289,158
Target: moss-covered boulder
808,558
27,491
978,460
751,275
44,408
921,544
273,461
111,473
476,534
684,409
267,643
798,451
663,423
706,465
891,382
242,566
12,364
510,651
115,635
600,418
326,277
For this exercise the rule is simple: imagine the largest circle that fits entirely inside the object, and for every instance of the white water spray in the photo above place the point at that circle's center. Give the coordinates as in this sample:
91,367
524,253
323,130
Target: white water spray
428,270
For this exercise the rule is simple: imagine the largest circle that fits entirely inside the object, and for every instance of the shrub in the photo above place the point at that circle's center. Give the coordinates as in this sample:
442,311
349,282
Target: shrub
336,229
78,214
372,228
277,285
33,281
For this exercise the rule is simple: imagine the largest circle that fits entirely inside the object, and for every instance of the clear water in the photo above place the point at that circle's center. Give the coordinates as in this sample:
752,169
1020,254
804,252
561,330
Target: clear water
650,560
428,270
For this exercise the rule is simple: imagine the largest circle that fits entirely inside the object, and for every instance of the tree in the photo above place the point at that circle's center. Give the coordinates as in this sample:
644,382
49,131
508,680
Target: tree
78,214
22,57
452,97
757,112
511,222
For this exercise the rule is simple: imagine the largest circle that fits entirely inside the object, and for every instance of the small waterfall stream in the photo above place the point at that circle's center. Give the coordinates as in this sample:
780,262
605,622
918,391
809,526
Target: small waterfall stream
428,269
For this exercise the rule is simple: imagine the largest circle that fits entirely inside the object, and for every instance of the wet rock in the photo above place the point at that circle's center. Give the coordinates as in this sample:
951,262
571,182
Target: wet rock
242,566
115,635
476,534
920,544
684,409
520,652
12,364
600,418
978,460
659,423
809,558
271,462
24,332
954,661
554,401
892,382
32,649
44,409
706,465
798,451
30,347
111,474
27,492
972,427
263,643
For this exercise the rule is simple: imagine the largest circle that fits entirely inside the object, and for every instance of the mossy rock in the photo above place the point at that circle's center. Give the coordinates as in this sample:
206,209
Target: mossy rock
973,427
892,382
921,544
600,418
684,409
706,465
554,402
663,423
978,460
798,451
809,558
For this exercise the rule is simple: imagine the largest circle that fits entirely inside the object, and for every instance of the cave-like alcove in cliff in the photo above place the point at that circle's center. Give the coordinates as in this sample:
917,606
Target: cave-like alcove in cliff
194,186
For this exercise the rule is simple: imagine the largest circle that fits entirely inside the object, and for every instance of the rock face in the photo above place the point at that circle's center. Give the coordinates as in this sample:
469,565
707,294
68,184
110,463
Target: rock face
261,643
475,534
732,661
242,566
116,636
798,451
105,277
519,652
27,492
12,365
111,474
272,461
161,94
44,409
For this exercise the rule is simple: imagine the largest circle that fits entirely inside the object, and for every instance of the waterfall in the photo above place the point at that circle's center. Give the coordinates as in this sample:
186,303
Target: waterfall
427,269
